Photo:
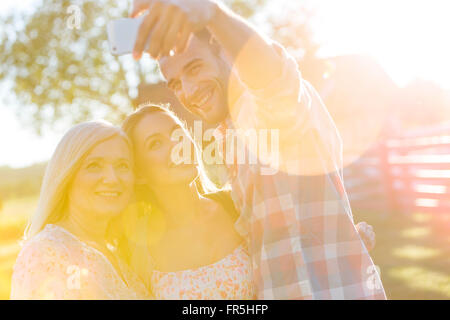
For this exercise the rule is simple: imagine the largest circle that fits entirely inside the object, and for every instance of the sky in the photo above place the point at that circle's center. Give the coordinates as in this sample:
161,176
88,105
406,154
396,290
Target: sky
408,38
20,145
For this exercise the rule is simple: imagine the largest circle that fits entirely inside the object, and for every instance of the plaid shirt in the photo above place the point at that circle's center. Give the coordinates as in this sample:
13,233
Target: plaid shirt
301,236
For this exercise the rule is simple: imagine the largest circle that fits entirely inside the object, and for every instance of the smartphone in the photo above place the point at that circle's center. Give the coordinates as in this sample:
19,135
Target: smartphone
122,34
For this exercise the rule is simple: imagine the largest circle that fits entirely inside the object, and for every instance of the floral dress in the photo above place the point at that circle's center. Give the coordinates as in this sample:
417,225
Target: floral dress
55,264
227,279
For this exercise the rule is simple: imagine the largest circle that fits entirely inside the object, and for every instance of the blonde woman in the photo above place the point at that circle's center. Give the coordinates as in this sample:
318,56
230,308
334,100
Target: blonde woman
195,251
89,180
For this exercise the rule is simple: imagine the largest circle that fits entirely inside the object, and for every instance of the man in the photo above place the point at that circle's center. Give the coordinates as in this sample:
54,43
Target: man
296,218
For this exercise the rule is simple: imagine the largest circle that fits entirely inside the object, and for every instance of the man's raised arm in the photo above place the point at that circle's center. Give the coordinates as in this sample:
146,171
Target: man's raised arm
254,58
171,23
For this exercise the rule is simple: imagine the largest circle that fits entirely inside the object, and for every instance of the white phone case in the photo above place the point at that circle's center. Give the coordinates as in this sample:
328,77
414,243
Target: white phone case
122,34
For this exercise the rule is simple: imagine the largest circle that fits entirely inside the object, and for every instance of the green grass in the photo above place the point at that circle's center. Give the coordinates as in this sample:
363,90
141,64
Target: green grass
412,251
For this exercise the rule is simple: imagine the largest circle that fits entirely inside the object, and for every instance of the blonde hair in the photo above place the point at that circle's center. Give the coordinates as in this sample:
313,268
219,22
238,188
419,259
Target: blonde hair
206,185
63,165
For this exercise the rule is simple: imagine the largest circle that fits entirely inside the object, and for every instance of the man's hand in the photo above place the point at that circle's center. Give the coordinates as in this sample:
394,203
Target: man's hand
169,24
367,234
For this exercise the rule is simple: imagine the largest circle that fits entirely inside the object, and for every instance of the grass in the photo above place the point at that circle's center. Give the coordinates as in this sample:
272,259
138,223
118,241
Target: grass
412,251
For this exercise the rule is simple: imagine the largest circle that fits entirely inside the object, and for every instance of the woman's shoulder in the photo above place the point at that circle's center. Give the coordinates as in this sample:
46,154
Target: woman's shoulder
52,246
43,258
52,236
51,243
51,233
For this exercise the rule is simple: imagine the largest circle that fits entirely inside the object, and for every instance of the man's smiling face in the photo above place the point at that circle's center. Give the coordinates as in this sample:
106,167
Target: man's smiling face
198,77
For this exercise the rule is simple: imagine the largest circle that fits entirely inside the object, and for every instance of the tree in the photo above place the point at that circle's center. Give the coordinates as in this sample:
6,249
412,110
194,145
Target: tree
245,8
58,70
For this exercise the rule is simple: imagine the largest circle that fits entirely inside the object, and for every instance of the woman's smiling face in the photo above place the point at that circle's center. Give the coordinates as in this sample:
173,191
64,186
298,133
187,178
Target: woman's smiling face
153,148
104,183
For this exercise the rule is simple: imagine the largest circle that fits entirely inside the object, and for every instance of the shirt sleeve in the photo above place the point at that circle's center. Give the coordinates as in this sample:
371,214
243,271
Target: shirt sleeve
46,270
291,105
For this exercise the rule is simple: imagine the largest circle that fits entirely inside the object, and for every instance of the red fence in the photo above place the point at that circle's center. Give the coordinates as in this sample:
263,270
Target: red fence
408,173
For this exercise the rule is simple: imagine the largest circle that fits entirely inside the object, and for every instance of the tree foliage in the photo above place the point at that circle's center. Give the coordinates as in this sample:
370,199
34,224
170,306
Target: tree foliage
245,8
57,72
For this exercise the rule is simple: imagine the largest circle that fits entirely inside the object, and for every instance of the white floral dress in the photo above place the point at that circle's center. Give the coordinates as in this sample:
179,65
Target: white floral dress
55,264
227,279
